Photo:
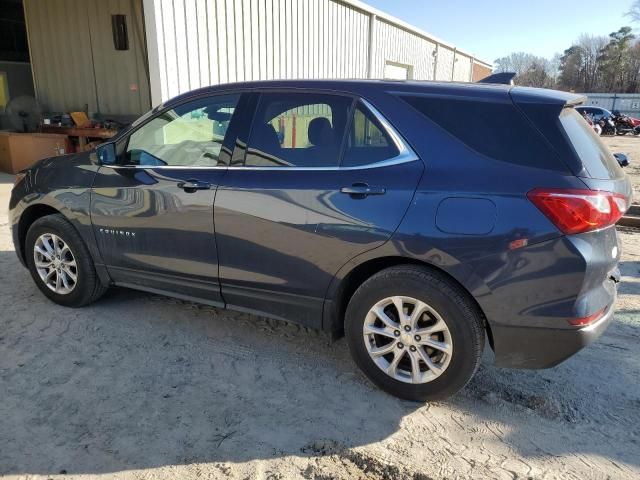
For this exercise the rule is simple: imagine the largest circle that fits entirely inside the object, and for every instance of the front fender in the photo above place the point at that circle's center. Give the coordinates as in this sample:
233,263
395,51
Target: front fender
59,185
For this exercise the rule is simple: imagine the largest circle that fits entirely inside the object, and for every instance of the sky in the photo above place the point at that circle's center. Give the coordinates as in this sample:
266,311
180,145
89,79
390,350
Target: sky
491,29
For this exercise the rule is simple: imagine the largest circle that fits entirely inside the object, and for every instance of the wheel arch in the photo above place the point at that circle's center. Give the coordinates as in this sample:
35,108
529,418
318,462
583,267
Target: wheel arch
27,218
336,307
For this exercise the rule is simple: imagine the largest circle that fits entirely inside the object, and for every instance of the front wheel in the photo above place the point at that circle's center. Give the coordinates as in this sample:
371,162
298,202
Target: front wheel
60,262
414,333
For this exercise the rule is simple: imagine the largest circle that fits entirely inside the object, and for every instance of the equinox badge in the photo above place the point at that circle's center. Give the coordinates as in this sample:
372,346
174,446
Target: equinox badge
121,233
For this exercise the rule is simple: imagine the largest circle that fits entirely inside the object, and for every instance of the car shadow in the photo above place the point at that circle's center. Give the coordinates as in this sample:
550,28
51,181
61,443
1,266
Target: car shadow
138,381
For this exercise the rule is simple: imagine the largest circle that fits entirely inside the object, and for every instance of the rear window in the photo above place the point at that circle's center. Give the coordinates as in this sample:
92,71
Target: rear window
595,156
495,129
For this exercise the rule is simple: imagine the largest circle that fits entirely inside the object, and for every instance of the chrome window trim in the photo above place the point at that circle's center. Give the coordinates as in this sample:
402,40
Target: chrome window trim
405,155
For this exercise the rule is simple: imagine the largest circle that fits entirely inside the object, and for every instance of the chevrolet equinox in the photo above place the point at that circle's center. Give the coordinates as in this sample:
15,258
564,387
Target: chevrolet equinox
370,209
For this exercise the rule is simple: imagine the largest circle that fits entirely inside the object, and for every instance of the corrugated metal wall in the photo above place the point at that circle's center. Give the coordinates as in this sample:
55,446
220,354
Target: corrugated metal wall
193,43
628,103
60,51
201,42
444,65
75,63
462,68
392,44
121,75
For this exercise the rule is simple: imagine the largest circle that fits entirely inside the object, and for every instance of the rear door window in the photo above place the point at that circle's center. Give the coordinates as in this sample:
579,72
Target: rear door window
298,130
595,156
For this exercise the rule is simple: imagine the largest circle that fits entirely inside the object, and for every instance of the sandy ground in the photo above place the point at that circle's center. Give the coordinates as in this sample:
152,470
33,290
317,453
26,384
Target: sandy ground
139,386
631,146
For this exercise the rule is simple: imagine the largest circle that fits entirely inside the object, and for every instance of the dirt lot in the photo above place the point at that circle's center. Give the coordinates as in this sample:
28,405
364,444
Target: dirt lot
141,386
631,146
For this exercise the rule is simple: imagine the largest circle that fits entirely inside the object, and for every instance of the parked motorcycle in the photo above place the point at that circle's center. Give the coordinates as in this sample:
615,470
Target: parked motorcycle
624,124
608,126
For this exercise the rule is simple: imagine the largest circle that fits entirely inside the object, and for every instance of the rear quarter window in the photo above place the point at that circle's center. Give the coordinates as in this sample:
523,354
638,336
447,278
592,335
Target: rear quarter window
367,142
495,129
594,155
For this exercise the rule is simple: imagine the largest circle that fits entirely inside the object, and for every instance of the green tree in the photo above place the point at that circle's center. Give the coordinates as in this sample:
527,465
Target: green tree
615,60
580,68
571,66
591,64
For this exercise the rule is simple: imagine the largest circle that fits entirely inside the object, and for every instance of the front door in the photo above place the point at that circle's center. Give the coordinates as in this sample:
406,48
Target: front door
152,212
322,181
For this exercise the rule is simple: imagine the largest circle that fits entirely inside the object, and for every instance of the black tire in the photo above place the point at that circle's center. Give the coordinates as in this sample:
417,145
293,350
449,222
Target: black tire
88,287
460,314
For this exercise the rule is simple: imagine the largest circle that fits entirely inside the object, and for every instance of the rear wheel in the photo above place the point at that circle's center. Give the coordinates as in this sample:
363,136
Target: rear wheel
60,262
414,333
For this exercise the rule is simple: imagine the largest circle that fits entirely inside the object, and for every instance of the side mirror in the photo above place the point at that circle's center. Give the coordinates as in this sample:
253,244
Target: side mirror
106,153
622,159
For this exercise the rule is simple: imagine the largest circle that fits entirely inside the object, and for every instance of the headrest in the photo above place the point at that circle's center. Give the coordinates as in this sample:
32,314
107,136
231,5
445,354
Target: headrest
320,132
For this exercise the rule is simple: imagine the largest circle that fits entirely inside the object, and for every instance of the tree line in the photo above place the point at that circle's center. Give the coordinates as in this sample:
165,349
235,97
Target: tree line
592,64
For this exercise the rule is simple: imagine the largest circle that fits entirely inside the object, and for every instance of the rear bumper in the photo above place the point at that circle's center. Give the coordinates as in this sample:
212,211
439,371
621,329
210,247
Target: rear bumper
534,291
535,347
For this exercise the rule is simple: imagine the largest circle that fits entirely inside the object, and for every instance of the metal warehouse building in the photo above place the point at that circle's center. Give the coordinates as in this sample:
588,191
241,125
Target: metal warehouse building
120,57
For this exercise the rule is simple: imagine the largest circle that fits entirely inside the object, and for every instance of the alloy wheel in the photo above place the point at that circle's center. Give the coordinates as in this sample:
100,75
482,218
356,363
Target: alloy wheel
407,339
55,263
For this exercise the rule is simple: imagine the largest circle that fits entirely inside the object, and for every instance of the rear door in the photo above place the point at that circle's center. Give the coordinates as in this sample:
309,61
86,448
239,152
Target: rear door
320,179
152,212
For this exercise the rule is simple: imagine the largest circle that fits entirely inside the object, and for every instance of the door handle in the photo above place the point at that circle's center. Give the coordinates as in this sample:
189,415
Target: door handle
361,190
192,185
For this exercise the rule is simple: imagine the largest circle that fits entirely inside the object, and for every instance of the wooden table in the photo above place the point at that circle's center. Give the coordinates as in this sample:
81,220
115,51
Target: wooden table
81,133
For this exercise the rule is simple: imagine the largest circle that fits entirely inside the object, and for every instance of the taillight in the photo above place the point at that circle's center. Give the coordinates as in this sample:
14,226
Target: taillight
584,321
578,211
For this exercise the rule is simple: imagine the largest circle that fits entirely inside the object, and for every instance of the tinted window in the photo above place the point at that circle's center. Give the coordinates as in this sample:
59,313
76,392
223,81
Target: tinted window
495,129
594,155
586,113
595,113
188,135
367,141
298,130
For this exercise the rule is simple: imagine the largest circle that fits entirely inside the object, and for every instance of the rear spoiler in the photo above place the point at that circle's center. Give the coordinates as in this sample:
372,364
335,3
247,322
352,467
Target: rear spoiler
503,78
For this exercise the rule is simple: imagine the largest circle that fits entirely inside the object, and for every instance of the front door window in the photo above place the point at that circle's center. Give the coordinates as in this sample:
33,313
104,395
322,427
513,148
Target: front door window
190,135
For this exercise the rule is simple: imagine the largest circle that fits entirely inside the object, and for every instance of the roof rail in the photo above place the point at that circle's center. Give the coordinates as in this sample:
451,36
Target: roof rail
503,78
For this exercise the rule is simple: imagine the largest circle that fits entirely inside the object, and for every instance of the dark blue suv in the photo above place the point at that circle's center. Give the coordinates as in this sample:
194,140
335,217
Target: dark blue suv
413,217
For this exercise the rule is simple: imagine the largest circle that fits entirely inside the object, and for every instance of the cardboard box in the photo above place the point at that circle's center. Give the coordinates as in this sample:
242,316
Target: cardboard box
19,150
